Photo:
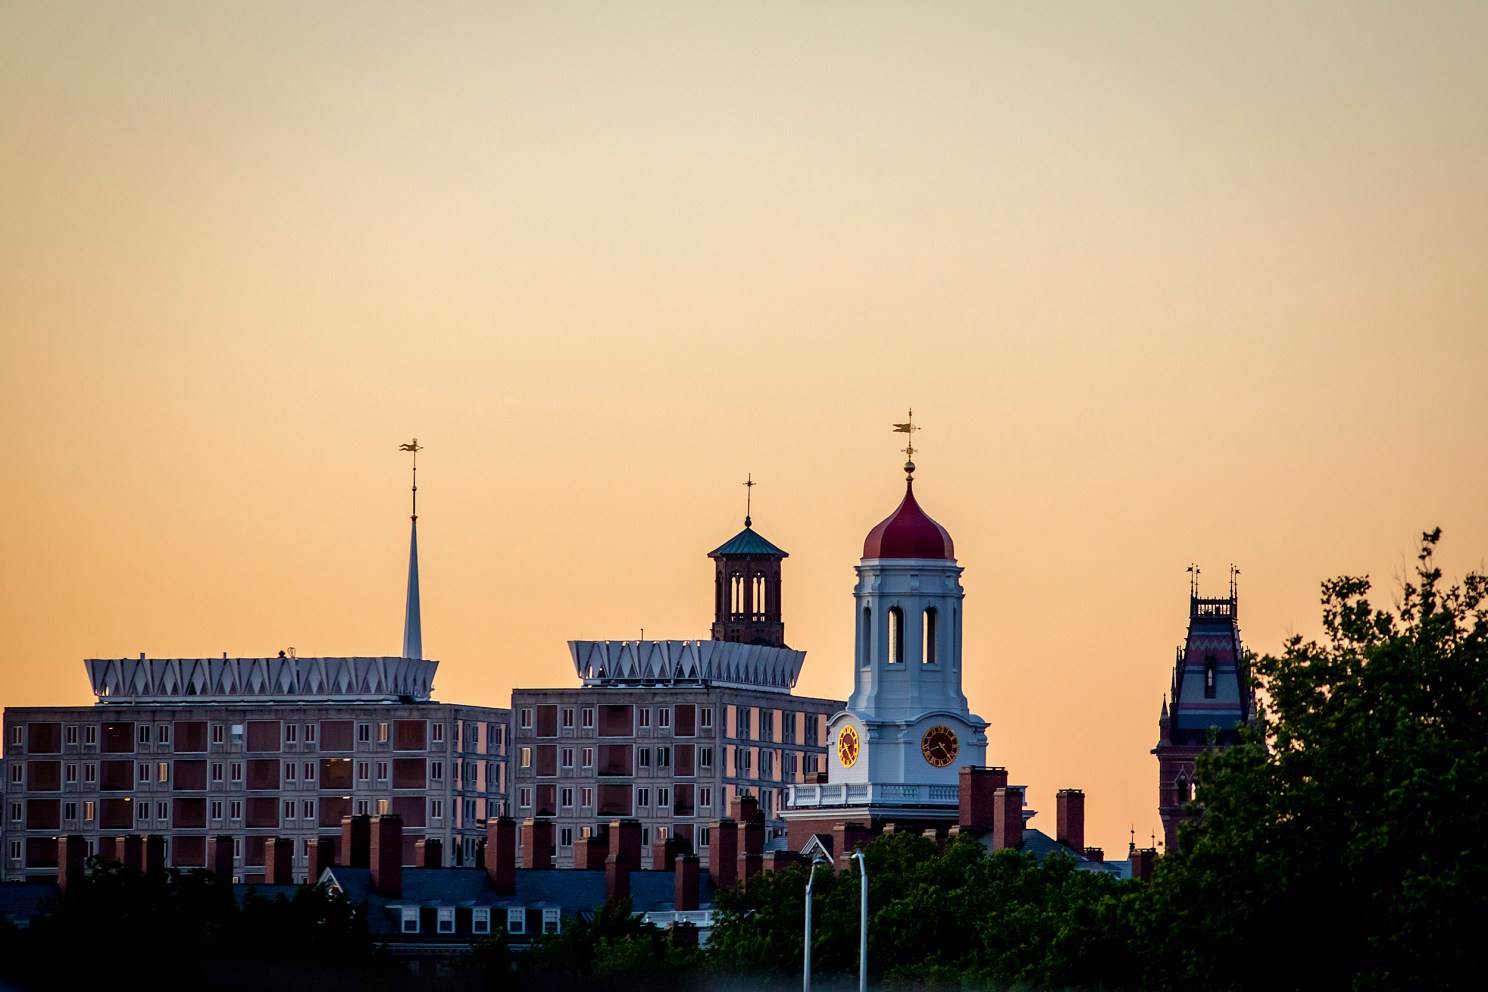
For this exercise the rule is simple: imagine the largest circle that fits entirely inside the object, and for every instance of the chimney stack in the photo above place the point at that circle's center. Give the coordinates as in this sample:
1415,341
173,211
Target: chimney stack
153,860
625,841
356,841
1142,861
387,854
1007,824
220,857
1095,853
593,850
617,878
846,838
685,894
72,859
537,843
428,852
322,855
501,854
279,861
1069,813
723,853
131,848
979,785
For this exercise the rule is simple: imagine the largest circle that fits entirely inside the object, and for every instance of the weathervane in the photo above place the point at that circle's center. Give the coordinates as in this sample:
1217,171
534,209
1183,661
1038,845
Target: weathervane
1233,572
909,448
1193,580
749,485
414,448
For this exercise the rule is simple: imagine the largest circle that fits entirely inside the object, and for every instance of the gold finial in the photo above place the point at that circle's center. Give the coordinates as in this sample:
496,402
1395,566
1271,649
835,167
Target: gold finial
413,447
909,448
749,484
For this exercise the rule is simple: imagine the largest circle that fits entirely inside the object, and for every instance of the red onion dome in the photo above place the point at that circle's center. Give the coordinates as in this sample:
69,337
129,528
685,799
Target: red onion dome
909,533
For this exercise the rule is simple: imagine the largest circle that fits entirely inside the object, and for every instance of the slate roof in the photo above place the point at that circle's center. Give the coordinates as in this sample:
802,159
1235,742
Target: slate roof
20,902
747,542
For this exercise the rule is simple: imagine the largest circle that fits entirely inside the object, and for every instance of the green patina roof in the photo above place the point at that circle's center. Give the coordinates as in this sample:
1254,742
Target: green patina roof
747,542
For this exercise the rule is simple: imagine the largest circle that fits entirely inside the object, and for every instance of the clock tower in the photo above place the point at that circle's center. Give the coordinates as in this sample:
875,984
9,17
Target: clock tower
896,750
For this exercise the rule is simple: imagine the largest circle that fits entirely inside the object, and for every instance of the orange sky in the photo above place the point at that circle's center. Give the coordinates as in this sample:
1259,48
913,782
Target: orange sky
1163,283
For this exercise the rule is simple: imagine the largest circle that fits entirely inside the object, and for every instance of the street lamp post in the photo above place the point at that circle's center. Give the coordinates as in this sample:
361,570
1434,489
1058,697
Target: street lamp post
862,924
806,973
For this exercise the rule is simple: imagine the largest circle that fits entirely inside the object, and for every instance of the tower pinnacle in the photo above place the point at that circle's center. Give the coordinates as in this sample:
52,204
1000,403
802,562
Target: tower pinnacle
413,635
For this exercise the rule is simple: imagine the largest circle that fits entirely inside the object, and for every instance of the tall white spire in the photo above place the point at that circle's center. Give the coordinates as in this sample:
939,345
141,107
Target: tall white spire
413,634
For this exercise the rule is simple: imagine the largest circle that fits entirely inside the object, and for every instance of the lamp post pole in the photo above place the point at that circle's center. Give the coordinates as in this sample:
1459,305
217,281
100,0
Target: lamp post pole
806,958
862,924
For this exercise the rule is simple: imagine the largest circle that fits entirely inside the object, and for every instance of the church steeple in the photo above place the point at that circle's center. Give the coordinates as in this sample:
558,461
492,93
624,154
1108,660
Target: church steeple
746,586
413,634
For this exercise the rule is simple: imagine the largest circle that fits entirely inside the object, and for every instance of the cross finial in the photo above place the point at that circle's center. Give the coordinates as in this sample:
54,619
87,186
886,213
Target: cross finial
413,447
749,485
909,448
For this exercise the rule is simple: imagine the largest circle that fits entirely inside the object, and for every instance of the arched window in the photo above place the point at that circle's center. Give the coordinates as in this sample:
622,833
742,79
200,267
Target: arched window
866,640
758,604
896,635
929,636
1185,789
736,595
1209,672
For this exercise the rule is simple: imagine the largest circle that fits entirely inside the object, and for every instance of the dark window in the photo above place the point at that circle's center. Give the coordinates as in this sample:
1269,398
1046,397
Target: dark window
43,814
41,852
263,773
614,800
43,776
616,720
547,800
190,813
191,774
547,720
866,638
682,754
115,813
930,634
411,809
44,738
189,852
409,735
686,720
263,811
118,738
336,735
615,759
682,799
191,736
335,773
254,850
333,808
116,775
408,773
263,735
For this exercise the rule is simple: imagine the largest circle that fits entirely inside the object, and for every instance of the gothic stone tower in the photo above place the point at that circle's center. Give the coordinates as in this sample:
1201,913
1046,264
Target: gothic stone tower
746,590
1211,700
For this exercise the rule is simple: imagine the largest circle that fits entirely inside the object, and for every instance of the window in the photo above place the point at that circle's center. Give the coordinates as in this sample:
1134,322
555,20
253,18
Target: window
663,798
516,921
436,733
767,725
896,635
90,773
568,717
309,770
746,723
17,774
705,756
72,737
88,810
742,761
291,733
364,770
588,716
15,850
524,757
480,919
526,723
588,756
382,771
15,812
645,717
90,734
219,734
664,717
704,836
705,797
586,797
1209,670
524,797
436,809
364,733
237,771
643,797
705,717
142,773
307,810
71,773
238,732
643,757
661,835
216,809
216,771
162,771
663,757
383,807
436,771
69,811
143,733
382,733
363,807
445,922
928,637
565,836
410,919
550,921
309,733
568,757
289,769
767,761
235,810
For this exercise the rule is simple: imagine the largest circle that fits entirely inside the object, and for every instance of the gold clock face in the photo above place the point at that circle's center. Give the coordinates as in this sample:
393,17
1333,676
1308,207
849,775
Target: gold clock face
939,745
847,746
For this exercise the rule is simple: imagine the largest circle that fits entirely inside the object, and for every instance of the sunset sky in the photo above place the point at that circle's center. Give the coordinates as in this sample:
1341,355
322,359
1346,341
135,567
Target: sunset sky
1163,282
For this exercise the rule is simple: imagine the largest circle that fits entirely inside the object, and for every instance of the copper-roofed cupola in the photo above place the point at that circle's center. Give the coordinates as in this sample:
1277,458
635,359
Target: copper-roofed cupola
746,586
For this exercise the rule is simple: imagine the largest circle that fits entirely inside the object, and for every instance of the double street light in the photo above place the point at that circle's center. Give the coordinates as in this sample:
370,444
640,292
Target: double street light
862,923
806,977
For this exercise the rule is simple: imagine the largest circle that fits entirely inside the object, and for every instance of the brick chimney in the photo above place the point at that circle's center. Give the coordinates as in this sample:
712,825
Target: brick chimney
1069,818
979,785
501,854
428,852
745,809
625,841
321,856
846,838
387,854
685,894
153,859
1007,824
1095,853
776,860
750,865
279,861
592,850
72,859
751,836
1142,861
356,841
131,851
220,857
664,855
723,853
617,878
537,843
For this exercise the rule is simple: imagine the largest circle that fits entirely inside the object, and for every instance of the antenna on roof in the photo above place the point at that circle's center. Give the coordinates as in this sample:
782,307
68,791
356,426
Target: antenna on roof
1233,572
1193,580
909,448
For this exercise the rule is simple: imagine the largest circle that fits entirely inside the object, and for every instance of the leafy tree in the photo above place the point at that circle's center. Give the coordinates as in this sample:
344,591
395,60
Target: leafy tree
1341,846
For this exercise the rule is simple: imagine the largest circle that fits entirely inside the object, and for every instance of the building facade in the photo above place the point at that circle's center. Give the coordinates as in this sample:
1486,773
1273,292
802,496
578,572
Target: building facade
188,749
1211,700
